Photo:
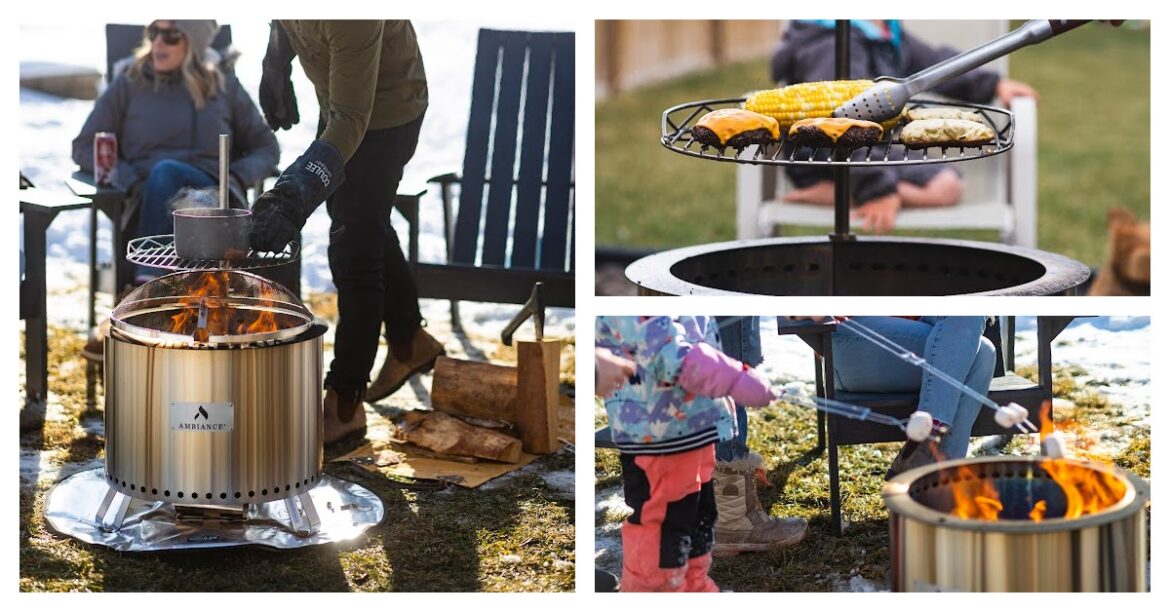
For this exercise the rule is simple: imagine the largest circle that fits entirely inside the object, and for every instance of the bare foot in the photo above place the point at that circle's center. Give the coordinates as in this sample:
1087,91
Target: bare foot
820,193
878,215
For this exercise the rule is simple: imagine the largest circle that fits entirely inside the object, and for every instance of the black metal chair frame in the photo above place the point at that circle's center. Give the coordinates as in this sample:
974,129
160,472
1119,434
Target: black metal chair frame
39,208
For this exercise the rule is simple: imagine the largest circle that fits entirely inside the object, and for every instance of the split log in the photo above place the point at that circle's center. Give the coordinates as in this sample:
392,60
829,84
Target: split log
474,389
446,434
538,382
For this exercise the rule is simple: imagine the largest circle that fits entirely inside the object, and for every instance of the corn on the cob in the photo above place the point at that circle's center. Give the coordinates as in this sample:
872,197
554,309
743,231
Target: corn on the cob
804,100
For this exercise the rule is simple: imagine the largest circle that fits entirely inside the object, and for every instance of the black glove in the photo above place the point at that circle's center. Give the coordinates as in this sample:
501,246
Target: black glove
277,99
280,212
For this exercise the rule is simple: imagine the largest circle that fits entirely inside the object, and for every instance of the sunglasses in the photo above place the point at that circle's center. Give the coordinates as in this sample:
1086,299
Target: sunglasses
170,36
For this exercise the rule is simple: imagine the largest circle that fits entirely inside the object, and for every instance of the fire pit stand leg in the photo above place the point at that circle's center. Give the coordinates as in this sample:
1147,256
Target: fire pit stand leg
307,523
119,510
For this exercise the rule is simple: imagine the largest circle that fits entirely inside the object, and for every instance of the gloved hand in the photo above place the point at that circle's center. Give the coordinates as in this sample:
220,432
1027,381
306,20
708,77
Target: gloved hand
278,101
706,371
280,212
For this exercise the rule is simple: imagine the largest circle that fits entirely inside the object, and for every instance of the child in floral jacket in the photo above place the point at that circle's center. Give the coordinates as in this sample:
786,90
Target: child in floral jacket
665,421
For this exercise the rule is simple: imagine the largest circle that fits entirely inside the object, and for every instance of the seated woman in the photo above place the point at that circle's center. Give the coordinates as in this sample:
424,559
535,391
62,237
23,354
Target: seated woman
954,345
880,48
167,108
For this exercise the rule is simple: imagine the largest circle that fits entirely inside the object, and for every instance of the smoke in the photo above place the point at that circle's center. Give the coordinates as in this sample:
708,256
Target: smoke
191,197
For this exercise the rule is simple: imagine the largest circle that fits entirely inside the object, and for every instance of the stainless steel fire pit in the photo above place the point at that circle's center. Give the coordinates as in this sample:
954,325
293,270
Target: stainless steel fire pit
232,417
213,418
1035,544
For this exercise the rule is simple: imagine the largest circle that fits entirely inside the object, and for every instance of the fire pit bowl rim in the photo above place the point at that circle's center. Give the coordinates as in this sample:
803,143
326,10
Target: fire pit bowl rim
896,495
654,272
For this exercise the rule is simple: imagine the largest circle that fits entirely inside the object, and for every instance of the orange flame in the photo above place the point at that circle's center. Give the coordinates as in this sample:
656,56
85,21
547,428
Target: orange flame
211,289
1086,490
1047,425
975,496
265,320
1037,513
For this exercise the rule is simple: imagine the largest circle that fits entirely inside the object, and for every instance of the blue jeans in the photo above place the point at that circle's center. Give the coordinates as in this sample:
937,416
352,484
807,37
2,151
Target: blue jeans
166,178
954,345
740,337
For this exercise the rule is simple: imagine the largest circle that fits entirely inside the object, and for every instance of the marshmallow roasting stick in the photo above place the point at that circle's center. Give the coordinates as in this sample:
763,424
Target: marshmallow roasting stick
1007,416
918,427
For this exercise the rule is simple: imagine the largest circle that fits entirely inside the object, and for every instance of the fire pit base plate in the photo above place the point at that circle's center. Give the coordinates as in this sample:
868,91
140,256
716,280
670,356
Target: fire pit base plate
345,509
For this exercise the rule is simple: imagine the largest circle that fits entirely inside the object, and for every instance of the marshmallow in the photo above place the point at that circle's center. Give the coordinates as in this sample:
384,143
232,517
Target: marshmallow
1053,446
919,426
1011,415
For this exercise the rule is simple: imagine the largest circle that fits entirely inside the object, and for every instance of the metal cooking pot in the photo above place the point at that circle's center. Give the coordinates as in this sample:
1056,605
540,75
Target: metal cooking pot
212,233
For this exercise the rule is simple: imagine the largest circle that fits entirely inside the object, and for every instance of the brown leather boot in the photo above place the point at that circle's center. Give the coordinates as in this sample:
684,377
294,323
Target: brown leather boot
95,349
404,362
743,525
345,415
913,454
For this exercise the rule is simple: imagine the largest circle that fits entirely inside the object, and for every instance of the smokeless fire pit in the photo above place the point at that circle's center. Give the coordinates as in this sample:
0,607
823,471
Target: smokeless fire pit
213,423
1018,524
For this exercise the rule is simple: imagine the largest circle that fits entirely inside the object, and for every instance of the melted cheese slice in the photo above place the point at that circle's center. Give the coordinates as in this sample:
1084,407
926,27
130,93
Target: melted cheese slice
833,127
730,122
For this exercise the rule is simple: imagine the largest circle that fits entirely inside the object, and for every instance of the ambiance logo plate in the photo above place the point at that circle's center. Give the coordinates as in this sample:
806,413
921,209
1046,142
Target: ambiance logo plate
202,416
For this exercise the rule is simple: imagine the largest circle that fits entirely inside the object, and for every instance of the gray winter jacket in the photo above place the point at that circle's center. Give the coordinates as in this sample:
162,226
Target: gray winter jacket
153,125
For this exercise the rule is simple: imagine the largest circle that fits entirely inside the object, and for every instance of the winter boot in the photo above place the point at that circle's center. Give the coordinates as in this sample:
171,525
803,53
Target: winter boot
345,414
403,362
742,525
914,454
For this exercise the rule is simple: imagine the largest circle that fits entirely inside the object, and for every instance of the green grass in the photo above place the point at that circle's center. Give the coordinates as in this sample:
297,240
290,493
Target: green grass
517,536
786,434
1093,152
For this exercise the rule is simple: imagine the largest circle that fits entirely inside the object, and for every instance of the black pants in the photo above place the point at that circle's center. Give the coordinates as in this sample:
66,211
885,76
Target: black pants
373,279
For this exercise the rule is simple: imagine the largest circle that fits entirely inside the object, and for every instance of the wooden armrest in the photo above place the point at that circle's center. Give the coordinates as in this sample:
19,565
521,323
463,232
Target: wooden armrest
35,197
82,184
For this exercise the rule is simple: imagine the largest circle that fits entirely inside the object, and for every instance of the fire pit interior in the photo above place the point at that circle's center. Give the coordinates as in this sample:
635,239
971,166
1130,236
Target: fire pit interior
861,266
217,308
1024,490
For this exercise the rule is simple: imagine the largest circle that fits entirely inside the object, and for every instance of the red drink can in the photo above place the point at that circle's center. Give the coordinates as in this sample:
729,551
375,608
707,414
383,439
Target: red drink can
105,157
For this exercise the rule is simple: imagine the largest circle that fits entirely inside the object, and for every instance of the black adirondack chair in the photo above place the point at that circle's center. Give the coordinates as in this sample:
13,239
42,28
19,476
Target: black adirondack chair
514,226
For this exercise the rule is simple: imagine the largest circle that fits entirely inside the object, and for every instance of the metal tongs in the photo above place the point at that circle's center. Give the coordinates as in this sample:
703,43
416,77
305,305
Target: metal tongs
889,95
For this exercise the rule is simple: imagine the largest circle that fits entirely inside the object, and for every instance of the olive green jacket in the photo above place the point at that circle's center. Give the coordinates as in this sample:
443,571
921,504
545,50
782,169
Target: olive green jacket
368,75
